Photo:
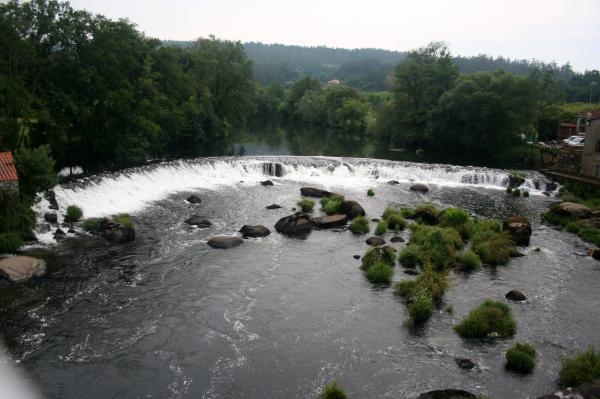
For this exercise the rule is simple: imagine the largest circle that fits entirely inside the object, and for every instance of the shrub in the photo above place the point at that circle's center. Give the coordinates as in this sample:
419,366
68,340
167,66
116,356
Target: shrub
10,242
92,224
359,225
470,261
370,193
580,369
422,306
74,213
333,391
380,272
489,318
306,205
493,248
381,228
123,219
332,204
521,358
391,211
410,256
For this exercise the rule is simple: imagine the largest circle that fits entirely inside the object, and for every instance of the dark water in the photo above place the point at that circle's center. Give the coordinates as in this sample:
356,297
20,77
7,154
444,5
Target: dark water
166,316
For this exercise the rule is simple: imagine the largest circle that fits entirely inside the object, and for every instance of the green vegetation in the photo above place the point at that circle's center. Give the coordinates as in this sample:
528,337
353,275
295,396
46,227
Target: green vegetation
380,272
74,213
92,224
422,293
421,307
36,171
332,204
525,193
359,225
438,245
333,391
306,205
509,190
470,261
410,256
580,369
490,319
17,221
493,246
521,358
381,228
427,214
123,219
370,193
385,254
516,192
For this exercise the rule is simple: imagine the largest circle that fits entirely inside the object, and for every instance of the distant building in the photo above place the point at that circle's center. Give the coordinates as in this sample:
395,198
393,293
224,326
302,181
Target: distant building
590,157
9,180
333,82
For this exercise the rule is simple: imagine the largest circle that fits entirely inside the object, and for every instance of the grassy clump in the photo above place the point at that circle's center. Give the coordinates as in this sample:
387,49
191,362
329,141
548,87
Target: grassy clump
489,318
123,219
573,225
470,261
422,306
410,256
509,190
422,293
516,192
306,205
381,228
332,204
458,219
370,193
359,225
394,219
525,193
333,391
10,242
521,358
561,220
92,224
74,213
427,214
380,272
437,245
386,254
492,245
590,234
580,369
405,288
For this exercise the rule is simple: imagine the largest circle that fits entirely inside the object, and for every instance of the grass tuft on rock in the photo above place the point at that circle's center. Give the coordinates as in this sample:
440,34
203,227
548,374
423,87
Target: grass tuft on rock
381,228
580,369
306,205
332,204
380,272
123,219
470,261
359,225
494,248
410,256
521,358
422,306
333,391
92,224
490,319
74,213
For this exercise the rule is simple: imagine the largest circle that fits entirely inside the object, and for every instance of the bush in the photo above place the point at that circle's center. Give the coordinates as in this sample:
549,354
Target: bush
74,213
123,219
332,204
521,358
493,248
410,256
489,318
381,228
10,242
380,272
370,193
359,225
92,224
306,205
580,369
422,306
333,391
470,261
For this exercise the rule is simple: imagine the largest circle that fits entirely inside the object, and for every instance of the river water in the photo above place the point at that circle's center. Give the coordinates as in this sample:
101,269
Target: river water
166,316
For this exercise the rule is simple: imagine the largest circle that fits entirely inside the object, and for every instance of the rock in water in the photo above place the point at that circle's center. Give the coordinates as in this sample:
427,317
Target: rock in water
266,183
519,229
314,192
224,242
254,231
294,225
21,268
464,363
59,234
375,241
273,206
515,295
327,222
393,182
447,394
572,209
352,209
421,188
197,220
116,232
51,217
193,199
397,239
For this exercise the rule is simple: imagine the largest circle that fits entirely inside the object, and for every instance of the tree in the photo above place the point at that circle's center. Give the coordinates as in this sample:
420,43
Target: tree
35,168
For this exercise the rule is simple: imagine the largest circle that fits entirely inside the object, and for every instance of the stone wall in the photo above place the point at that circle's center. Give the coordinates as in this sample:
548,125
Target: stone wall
590,157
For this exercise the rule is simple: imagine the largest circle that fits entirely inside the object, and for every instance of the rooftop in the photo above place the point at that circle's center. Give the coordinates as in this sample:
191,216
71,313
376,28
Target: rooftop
7,167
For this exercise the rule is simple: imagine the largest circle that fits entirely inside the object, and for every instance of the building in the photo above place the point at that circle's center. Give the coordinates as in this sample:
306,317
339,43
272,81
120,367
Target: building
590,156
567,130
9,180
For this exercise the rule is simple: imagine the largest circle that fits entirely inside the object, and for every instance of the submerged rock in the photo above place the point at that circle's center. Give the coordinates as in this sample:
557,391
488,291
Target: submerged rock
447,394
193,199
393,182
519,229
294,225
21,268
356,256
514,180
59,234
397,239
572,209
197,220
418,187
375,241
224,242
254,231
314,192
327,222
266,183
116,232
51,217
464,363
273,206
352,209
515,295
51,197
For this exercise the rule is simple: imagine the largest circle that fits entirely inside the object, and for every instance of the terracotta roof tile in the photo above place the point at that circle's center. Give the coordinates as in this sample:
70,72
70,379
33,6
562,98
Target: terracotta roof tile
7,167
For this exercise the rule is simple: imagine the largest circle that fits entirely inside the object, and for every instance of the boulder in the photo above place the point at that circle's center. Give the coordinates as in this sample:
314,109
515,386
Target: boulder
356,256
375,241
224,242
447,394
51,197
51,217
393,182
197,220
418,187
352,209
266,183
254,231
514,180
464,363
314,192
21,268
272,169
572,209
515,295
397,239
116,232
59,234
594,253
327,222
273,206
193,199
294,225
519,229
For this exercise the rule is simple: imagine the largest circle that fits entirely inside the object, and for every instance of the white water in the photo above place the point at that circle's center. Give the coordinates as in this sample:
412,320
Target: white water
131,190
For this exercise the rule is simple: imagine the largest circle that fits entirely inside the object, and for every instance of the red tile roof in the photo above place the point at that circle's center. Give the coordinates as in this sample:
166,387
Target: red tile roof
7,167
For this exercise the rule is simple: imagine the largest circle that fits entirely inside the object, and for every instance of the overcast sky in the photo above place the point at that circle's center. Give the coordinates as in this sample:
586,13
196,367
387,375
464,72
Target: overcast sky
547,30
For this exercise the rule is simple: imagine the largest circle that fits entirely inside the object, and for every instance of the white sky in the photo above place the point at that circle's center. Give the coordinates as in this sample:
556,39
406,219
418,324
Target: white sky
547,30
